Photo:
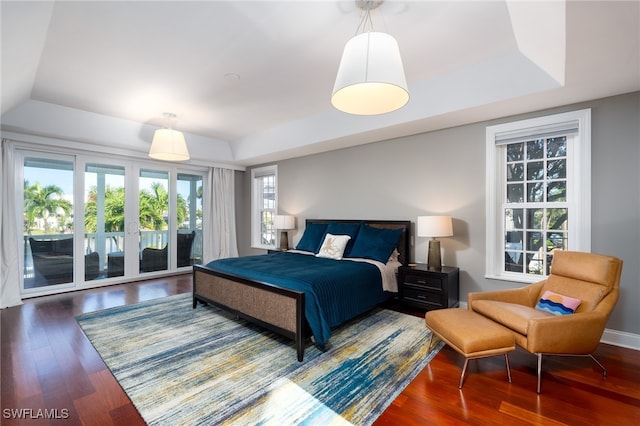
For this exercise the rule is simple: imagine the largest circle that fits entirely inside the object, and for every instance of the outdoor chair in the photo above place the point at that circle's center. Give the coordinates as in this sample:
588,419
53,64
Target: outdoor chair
153,259
53,260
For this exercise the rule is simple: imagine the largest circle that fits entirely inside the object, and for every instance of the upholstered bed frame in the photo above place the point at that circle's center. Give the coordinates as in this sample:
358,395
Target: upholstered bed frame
275,308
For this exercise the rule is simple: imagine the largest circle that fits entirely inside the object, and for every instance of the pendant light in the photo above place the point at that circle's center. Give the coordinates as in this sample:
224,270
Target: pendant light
169,144
371,77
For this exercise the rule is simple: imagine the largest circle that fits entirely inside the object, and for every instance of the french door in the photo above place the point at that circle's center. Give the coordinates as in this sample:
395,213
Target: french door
89,221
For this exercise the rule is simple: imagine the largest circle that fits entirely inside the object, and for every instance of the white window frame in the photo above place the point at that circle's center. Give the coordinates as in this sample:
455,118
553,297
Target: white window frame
578,185
256,197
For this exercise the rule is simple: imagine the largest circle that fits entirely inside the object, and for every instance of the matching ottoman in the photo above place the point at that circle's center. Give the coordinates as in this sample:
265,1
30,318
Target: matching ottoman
471,335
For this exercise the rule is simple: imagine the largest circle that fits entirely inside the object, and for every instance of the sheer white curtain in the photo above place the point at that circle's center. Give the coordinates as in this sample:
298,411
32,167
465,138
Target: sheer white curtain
9,272
219,228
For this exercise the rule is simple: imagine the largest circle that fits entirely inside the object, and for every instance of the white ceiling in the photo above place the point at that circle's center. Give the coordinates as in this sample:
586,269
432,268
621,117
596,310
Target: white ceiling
104,72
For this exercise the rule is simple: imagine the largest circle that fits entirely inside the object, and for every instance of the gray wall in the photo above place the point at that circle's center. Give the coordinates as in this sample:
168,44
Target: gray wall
444,172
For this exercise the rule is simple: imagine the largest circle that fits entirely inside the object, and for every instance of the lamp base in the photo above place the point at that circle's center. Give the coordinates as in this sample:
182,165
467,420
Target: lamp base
284,241
434,261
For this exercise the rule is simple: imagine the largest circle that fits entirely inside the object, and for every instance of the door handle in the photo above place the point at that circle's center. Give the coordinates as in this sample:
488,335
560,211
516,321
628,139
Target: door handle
132,228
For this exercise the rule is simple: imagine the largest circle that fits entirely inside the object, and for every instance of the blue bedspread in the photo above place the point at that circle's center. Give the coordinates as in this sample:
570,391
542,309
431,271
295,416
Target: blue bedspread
335,290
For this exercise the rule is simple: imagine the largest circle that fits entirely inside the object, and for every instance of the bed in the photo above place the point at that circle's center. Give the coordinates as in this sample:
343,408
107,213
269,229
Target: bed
307,291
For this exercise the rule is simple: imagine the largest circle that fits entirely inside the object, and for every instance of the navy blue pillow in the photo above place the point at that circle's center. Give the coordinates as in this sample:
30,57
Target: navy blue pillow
342,228
312,237
375,243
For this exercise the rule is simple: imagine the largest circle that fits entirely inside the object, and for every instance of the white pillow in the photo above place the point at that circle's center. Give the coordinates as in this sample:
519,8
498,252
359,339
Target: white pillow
333,246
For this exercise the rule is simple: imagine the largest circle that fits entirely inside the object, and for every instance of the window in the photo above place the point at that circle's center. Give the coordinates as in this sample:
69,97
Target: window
538,193
263,206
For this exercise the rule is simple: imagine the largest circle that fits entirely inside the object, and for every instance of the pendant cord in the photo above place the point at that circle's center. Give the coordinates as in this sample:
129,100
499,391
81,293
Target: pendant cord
366,18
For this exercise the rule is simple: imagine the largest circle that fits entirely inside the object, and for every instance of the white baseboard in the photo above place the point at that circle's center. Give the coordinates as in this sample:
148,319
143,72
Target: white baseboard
610,337
621,338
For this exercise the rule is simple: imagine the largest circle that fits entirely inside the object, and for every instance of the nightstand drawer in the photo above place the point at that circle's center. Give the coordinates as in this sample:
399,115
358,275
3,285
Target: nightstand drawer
425,288
421,296
435,283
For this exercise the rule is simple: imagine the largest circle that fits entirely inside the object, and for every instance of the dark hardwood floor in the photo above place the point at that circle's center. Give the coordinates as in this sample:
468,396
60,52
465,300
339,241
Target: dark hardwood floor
48,364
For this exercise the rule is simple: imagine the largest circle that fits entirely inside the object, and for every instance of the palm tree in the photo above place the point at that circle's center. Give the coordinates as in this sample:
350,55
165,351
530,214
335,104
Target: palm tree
43,202
153,209
113,210
154,205
182,211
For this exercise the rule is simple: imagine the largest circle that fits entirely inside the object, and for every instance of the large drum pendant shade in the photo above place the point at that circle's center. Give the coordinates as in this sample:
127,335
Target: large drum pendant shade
169,145
371,77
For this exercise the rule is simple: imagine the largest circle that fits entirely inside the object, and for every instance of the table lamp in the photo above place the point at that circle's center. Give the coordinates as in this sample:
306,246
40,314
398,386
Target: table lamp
434,226
283,223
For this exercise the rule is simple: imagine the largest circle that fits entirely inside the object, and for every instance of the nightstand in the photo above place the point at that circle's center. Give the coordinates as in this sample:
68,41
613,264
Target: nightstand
428,289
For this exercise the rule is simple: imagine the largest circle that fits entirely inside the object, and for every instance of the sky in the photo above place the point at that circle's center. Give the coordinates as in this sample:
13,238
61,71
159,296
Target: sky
64,179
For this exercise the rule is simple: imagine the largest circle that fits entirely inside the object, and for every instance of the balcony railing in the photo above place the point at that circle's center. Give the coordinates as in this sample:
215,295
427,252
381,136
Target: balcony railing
110,242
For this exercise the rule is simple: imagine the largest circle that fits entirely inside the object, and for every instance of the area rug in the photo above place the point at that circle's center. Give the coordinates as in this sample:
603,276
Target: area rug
184,366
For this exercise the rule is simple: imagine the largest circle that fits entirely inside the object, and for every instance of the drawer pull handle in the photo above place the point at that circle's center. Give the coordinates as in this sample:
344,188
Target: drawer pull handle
422,296
422,281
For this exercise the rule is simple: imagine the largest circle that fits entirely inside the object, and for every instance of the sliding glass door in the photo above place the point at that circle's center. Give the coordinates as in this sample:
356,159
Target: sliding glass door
48,231
160,212
189,217
91,219
104,216
154,220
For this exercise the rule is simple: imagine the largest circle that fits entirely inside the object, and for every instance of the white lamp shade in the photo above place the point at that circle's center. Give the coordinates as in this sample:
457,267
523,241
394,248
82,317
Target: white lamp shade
434,226
285,222
169,145
371,77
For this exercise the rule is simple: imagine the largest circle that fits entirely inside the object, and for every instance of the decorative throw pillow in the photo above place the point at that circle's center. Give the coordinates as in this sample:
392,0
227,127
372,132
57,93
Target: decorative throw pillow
557,304
312,237
394,256
333,246
375,243
344,228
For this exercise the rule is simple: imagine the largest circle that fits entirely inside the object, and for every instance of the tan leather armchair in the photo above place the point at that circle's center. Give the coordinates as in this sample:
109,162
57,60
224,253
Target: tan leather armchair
592,278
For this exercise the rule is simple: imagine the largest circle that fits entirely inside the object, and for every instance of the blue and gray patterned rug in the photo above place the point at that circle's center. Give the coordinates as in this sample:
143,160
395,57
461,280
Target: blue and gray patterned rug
184,366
